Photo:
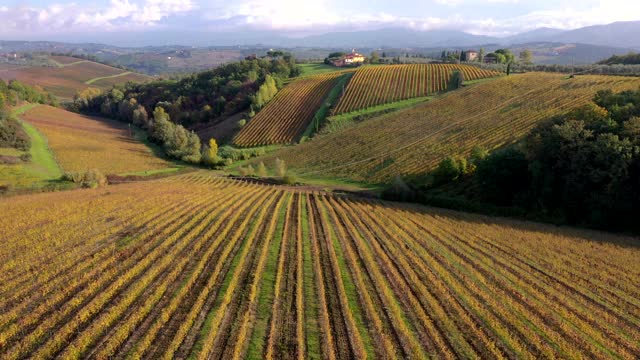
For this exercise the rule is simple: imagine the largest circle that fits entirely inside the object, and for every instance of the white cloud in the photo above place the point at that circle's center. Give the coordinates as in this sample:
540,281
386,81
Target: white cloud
156,10
119,14
312,16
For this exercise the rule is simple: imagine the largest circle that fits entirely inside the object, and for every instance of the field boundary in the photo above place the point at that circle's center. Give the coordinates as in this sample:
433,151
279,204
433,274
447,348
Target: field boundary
41,153
91,81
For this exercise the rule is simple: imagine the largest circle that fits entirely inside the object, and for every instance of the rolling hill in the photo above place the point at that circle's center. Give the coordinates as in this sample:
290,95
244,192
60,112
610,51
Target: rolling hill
70,76
289,114
81,143
196,266
375,85
412,142
286,117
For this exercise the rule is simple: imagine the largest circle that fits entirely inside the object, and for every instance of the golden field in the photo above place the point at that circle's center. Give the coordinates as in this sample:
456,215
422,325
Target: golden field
203,267
81,142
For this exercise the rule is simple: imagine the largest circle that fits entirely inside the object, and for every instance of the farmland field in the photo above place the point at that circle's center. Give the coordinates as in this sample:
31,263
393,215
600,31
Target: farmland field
413,141
81,142
202,267
71,77
42,167
375,85
289,113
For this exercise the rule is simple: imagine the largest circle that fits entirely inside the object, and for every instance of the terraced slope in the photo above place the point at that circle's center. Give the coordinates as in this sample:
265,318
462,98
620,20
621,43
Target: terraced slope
414,141
72,76
81,142
201,267
285,118
375,85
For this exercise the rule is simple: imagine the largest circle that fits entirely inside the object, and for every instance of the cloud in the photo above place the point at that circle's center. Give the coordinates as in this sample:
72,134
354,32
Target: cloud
485,17
73,17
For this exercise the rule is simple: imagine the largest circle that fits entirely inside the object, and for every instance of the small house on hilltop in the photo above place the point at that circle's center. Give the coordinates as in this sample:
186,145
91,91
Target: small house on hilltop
470,55
352,59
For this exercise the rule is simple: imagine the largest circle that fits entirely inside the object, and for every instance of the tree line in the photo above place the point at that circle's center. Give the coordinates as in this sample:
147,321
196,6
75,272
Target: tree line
166,109
582,168
629,59
200,98
11,94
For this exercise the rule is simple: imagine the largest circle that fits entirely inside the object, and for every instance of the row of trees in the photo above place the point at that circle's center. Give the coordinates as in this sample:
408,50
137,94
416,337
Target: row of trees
202,97
177,141
581,168
625,70
629,59
499,56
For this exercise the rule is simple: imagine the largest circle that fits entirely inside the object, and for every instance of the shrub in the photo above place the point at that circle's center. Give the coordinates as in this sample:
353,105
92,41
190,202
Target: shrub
398,191
246,171
280,168
289,180
449,169
89,179
261,171
25,157
13,135
242,123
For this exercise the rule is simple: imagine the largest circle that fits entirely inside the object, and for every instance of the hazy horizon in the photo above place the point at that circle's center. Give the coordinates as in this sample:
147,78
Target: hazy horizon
197,22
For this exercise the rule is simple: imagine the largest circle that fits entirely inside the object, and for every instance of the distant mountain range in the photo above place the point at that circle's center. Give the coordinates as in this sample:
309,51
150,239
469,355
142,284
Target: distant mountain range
617,35
549,46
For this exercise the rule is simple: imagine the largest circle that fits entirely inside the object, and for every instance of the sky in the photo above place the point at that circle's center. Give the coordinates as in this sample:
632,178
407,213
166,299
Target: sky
101,19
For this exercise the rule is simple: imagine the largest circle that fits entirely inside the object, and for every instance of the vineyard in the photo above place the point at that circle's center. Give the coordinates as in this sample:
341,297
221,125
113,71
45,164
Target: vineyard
414,141
287,116
80,142
375,85
71,77
203,267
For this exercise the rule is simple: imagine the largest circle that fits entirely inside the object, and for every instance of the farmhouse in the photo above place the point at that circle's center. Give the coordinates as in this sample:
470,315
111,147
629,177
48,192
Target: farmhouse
491,59
470,55
350,59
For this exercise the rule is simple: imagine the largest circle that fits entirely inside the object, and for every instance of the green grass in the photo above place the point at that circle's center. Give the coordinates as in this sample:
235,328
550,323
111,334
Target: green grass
91,81
43,168
350,289
206,327
317,68
343,121
320,116
311,306
267,289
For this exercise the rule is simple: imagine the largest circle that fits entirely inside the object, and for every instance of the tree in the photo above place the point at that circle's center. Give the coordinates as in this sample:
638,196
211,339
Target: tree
140,117
481,54
374,58
126,109
266,92
503,176
526,57
213,148
280,167
506,56
261,170
449,169
456,81
163,129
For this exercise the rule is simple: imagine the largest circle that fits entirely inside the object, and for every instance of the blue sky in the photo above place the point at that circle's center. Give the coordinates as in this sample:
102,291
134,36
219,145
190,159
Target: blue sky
45,19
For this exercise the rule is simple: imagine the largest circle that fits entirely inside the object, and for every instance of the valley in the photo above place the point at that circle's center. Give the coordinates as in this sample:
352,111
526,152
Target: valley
434,193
